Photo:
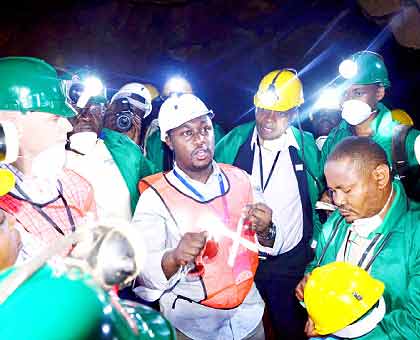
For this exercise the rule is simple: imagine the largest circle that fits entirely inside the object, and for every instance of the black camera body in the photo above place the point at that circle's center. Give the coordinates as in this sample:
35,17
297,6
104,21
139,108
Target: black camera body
124,115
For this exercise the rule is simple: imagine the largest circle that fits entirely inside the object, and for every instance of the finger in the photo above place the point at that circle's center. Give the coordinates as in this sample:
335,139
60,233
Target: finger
262,207
204,235
247,209
298,292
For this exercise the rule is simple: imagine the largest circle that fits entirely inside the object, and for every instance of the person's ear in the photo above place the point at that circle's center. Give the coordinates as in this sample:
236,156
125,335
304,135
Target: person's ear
381,175
380,93
168,142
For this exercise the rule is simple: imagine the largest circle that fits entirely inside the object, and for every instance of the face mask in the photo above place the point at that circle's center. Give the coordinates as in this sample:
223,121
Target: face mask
355,111
49,164
364,226
83,142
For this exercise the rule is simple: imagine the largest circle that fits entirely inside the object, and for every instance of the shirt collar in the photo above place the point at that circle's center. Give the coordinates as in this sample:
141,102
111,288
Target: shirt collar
215,173
279,144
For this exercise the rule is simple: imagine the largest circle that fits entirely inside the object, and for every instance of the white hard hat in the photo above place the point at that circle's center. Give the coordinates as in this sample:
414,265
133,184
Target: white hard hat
138,96
177,110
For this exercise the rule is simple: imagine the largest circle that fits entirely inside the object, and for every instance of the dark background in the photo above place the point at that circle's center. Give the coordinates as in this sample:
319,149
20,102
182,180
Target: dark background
223,47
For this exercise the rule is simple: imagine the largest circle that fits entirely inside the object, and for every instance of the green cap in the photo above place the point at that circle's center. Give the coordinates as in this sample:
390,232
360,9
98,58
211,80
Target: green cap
30,84
367,68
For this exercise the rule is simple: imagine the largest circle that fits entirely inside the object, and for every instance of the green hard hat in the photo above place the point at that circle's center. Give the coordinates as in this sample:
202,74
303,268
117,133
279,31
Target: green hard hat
365,68
30,84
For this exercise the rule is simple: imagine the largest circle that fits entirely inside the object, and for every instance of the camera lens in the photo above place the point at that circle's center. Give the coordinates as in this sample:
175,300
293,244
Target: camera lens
124,122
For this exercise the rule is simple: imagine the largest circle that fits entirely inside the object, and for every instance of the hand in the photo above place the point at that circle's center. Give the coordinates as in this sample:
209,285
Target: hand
310,329
189,247
10,242
259,215
326,198
300,287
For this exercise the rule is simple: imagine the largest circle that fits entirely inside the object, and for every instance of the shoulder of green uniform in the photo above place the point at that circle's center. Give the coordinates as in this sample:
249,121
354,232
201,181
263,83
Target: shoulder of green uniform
307,136
113,138
227,148
241,131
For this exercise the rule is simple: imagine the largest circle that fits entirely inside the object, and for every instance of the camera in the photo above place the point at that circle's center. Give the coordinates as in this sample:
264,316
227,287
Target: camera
124,115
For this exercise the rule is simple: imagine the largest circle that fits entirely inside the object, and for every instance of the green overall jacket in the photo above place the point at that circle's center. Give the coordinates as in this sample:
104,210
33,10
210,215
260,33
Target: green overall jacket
397,266
130,161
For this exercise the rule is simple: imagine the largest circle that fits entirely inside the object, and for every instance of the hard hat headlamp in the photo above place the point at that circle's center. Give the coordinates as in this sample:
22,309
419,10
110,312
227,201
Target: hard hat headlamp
80,91
329,99
348,68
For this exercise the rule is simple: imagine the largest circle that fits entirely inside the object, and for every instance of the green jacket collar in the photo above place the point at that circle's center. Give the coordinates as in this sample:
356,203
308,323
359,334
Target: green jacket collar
399,208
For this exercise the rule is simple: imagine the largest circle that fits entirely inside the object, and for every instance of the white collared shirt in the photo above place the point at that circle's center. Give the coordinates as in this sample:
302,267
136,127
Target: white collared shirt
282,192
161,235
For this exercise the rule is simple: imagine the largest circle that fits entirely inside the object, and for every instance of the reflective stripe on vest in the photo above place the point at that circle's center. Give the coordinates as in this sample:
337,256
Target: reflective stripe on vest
224,287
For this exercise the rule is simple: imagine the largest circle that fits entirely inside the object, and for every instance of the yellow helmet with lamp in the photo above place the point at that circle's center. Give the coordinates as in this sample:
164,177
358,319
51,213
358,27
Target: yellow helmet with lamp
338,294
279,90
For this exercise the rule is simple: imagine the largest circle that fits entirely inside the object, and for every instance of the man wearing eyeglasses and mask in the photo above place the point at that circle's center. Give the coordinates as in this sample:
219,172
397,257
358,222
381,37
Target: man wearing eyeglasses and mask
364,81
283,160
104,147
374,229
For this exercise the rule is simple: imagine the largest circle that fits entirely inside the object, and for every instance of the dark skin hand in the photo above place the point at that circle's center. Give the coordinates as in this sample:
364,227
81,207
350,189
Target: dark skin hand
310,329
189,247
260,216
300,287
309,326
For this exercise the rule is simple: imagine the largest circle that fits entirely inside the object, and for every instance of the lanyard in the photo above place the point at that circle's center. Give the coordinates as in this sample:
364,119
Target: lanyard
264,185
38,208
334,232
365,253
201,197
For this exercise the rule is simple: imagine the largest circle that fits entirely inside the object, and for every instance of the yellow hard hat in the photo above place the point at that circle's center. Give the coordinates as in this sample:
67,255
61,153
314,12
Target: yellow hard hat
153,90
279,90
7,181
402,117
338,294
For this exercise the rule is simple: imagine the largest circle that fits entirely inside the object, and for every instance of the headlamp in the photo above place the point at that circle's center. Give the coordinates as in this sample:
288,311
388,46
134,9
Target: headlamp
80,91
176,85
269,97
329,99
348,69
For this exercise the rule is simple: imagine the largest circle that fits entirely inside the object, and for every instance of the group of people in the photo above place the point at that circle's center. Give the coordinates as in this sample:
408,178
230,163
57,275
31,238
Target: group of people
231,227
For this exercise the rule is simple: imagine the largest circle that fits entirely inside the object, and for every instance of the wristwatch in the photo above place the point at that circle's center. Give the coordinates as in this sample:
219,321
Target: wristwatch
270,234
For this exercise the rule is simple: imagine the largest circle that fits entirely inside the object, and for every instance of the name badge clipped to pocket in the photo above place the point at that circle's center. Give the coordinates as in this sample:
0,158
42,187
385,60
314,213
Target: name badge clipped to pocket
299,167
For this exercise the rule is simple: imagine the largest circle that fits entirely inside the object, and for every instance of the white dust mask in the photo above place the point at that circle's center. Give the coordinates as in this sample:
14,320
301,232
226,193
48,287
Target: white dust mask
83,142
49,164
355,111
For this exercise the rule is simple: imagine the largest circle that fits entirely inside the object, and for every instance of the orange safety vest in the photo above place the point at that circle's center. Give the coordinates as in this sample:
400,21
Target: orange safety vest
224,287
